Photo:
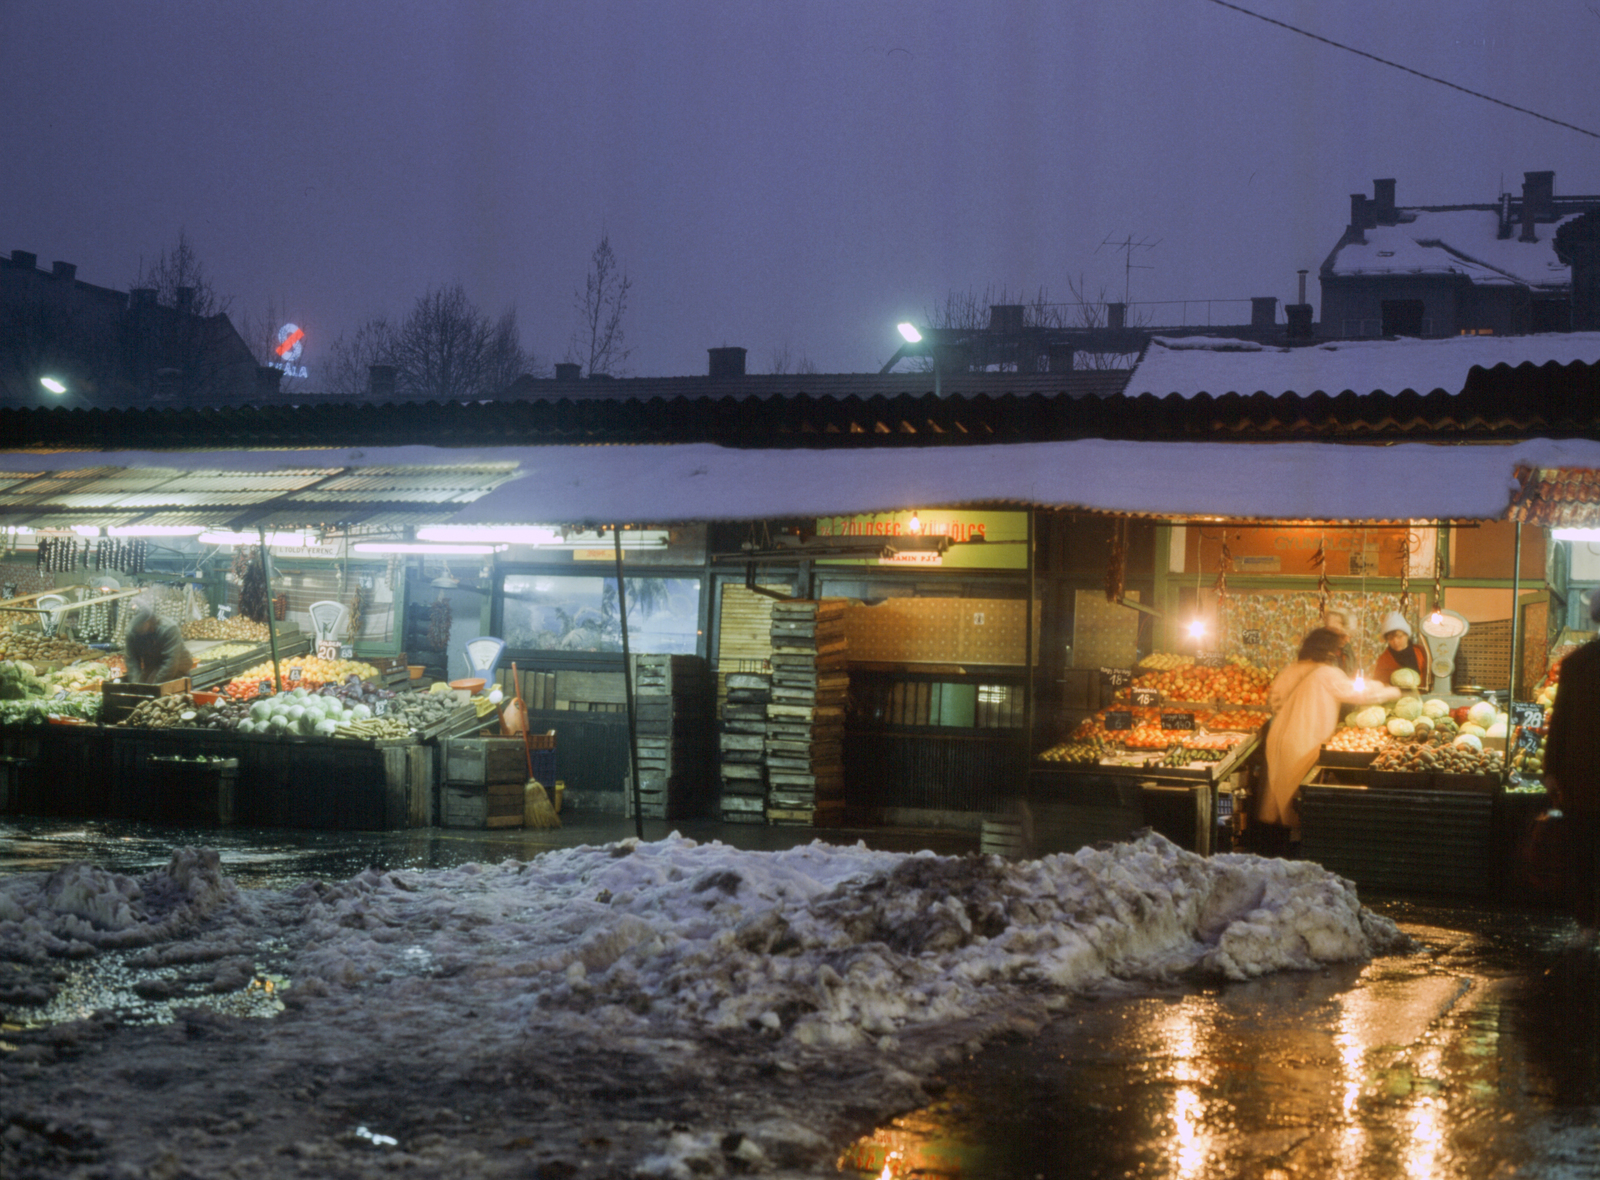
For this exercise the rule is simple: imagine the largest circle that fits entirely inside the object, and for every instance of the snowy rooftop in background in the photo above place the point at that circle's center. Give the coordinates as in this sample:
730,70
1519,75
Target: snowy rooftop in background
1193,365
1455,241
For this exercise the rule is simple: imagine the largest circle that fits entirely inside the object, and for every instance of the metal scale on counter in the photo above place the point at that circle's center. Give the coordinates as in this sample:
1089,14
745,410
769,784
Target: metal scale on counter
1442,632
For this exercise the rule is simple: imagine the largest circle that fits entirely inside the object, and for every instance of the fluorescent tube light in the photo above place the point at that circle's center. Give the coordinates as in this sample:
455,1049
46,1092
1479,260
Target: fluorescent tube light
490,534
155,530
276,540
425,548
1575,534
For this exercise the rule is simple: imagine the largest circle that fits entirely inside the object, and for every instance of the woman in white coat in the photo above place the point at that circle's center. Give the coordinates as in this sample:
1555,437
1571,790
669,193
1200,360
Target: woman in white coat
1305,699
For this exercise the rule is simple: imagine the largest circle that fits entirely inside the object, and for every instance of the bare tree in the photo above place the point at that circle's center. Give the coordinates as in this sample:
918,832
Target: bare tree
445,349
598,341
347,371
196,349
178,269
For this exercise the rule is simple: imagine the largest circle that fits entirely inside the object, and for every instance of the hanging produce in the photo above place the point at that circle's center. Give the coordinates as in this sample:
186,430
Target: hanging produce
1116,571
252,583
439,624
358,612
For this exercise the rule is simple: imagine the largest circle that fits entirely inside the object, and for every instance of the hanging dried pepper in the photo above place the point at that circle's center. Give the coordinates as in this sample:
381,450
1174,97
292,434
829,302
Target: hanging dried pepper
1319,562
1405,573
1116,571
358,612
439,624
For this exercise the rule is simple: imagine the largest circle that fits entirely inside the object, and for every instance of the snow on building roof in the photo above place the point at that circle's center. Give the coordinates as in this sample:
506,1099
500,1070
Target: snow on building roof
1194,365
1454,241
701,482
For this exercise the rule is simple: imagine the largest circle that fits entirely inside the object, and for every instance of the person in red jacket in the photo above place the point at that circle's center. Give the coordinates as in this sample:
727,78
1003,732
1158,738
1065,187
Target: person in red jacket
1572,773
1400,651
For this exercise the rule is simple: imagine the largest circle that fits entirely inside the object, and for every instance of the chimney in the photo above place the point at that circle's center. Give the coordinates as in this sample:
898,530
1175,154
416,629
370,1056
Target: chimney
23,258
1383,202
1538,201
1302,275
381,380
267,380
727,362
1264,311
1006,318
185,300
1299,317
65,271
568,370
1358,216
1116,316
1060,358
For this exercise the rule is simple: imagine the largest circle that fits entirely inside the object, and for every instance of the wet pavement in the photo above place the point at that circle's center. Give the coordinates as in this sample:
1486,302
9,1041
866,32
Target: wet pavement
1475,1055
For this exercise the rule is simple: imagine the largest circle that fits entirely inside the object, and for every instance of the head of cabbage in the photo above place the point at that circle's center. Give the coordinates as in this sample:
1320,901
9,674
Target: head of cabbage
1406,678
1408,707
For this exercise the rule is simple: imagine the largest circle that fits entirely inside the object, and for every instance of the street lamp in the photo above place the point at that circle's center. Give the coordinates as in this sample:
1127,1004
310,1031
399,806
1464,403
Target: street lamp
53,385
912,336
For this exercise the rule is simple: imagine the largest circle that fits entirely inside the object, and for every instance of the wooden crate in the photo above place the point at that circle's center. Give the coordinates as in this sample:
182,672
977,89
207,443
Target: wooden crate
485,760
122,697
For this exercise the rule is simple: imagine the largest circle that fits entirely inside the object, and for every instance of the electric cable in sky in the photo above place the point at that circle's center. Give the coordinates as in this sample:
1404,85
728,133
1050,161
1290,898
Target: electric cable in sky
1407,69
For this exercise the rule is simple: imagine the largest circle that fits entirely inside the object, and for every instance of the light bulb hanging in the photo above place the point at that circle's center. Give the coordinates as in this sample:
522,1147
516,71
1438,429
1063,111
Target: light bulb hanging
915,523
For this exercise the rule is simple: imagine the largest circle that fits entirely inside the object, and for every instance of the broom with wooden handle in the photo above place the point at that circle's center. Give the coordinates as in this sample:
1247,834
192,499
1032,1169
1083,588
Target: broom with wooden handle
537,811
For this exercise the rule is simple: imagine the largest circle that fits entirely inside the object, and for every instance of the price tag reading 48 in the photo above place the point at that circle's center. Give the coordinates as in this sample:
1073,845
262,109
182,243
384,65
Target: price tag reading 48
294,673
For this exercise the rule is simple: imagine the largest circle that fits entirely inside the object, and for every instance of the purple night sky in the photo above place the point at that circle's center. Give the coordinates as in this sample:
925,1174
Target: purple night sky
800,173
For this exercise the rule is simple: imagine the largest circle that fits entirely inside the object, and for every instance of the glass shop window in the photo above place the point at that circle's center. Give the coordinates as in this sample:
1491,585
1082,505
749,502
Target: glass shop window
558,613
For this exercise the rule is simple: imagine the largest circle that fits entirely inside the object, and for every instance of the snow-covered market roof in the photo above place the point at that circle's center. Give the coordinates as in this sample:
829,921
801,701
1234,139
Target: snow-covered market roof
701,482
1454,241
1189,366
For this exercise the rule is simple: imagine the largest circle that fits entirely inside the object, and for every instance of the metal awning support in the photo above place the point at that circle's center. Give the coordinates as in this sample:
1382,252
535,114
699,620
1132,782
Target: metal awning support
627,687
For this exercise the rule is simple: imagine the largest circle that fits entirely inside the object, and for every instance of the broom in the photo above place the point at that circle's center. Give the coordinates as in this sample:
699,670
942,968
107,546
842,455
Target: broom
536,809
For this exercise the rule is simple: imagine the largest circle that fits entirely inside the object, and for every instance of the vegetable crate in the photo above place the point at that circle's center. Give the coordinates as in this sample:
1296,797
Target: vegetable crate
123,697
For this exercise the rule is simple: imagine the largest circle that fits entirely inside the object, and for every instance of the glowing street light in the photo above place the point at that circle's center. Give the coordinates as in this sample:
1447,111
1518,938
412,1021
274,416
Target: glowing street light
53,385
909,331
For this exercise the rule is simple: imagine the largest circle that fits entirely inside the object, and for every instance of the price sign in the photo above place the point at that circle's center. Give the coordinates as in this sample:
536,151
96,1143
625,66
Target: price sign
379,708
1527,740
346,652
1209,659
1525,714
327,649
264,688
294,673
1177,721
1252,638
1115,679
1118,719
1147,698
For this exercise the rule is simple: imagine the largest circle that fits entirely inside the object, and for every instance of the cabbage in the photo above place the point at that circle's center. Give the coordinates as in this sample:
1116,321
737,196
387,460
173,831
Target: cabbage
361,712
1406,678
299,694
1474,730
245,726
1435,708
1468,739
1409,708
1423,725
261,710
1481,714
279,722
1369,718
325,728
1400,727
1497,730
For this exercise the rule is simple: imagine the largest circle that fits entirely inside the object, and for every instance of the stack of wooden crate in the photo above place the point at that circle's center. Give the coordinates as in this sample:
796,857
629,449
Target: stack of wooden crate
805,718
483,782
672,708
743,741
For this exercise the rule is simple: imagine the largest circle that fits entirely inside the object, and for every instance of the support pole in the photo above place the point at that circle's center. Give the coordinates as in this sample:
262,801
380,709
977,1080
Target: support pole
1028,687
1516,618
627,685
272,631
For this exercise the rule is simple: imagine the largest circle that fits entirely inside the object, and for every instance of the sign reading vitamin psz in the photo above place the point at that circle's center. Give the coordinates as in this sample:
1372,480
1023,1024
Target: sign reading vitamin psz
978,540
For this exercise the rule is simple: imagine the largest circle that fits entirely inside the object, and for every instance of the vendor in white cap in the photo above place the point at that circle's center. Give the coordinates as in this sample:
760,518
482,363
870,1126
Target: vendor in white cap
1399,652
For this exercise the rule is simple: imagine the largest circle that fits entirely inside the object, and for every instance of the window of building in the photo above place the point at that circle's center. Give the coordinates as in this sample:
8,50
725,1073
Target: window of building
559,613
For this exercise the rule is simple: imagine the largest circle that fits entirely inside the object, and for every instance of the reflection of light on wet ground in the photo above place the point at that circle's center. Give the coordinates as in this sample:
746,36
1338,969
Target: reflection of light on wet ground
919,1144
108,984
1178,1040
1426,1119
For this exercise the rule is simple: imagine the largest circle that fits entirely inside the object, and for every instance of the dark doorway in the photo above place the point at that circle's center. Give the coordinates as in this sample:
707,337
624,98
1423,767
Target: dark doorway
1402,317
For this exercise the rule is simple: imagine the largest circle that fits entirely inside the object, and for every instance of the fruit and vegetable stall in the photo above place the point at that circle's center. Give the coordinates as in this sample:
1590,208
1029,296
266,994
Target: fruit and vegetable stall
1166,751
342,745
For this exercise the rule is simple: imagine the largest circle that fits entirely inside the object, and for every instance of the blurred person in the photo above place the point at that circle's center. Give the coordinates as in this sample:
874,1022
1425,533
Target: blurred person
1305,699
1572,774
154,649
1339,623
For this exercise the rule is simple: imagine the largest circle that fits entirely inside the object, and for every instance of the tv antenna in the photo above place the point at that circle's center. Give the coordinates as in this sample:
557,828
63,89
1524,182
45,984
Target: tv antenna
1128,245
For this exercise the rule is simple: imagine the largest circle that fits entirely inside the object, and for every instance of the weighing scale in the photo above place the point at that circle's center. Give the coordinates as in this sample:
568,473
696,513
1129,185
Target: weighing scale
49,612
483,656
328,619
1442,632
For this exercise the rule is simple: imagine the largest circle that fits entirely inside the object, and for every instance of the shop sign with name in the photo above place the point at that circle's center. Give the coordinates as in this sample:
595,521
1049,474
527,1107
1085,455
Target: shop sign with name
979,540
328,552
